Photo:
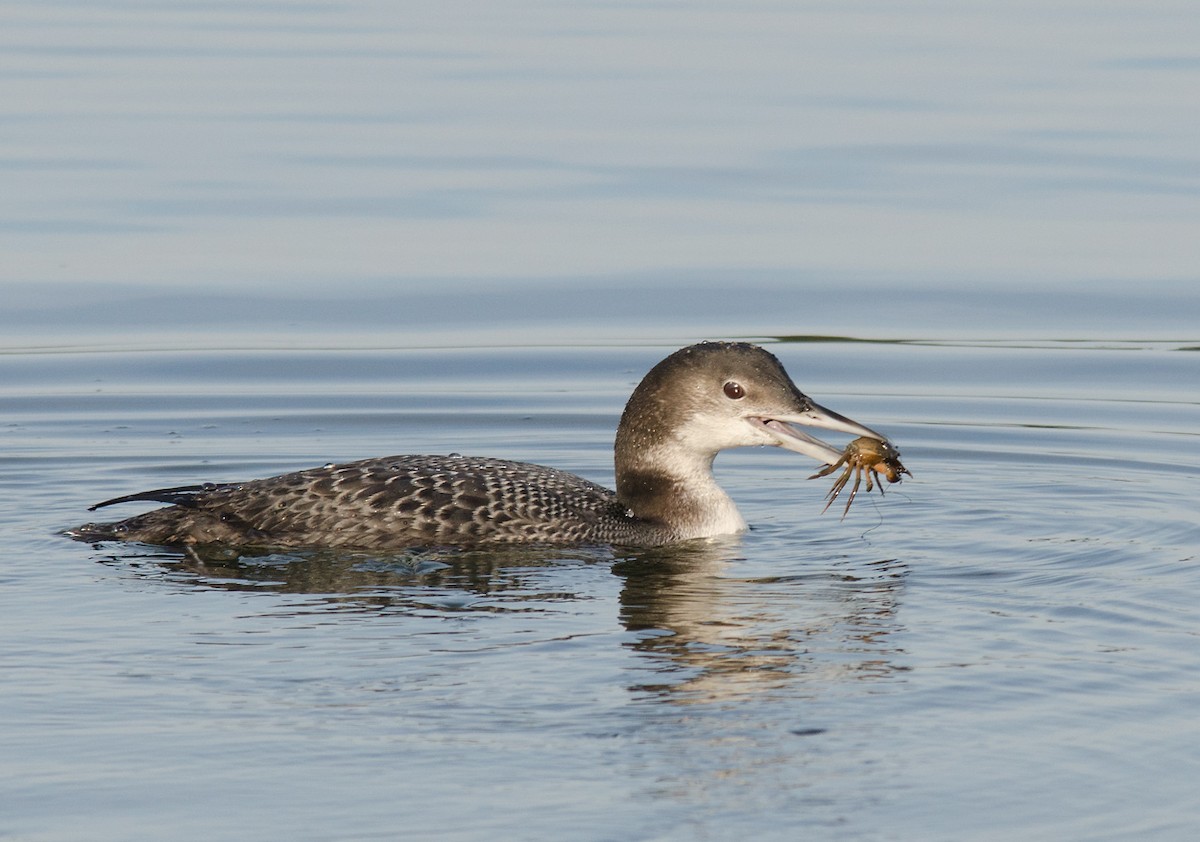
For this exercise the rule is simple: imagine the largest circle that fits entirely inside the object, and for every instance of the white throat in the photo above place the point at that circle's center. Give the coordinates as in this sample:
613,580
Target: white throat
700,507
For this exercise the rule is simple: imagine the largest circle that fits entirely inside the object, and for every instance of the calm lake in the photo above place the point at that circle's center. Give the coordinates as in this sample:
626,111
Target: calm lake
244,238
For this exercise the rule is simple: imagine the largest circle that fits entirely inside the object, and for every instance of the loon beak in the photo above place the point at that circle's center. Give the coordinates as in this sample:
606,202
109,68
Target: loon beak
781,428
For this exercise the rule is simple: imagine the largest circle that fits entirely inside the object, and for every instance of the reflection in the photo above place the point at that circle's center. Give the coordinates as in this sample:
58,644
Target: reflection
704,628
443,579
713,636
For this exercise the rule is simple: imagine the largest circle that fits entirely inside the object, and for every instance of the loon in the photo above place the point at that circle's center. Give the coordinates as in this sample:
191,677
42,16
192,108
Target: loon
699,400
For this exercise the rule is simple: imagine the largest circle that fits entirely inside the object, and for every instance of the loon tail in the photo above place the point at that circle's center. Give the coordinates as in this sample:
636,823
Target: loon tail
185,521
184,495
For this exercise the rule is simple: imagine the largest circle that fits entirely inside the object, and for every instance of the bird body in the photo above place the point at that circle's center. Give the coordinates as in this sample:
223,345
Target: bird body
696,402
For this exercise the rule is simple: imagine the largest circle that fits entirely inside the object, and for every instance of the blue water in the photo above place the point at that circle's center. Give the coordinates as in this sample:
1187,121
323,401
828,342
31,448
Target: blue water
241,239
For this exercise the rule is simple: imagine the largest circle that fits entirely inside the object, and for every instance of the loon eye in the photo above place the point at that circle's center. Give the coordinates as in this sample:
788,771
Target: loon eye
734,390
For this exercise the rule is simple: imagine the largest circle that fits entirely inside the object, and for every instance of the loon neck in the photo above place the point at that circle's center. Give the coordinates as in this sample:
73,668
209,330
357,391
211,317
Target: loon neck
680,494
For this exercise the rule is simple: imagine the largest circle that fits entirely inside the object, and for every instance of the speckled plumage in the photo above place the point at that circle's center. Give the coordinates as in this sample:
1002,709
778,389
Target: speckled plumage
682,413
396,501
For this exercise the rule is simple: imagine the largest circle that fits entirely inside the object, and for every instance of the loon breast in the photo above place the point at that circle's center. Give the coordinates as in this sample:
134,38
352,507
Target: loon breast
696,402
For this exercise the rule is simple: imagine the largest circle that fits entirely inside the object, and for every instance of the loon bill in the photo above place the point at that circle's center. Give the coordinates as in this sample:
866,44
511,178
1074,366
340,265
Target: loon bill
698,401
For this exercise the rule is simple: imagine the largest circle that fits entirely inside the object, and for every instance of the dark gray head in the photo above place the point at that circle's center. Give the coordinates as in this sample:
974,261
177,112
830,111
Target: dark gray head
717,395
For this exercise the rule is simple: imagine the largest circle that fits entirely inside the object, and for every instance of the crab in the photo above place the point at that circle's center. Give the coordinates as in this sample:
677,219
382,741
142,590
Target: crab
863,457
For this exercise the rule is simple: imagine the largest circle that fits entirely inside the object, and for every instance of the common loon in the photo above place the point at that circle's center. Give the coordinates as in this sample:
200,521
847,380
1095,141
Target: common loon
700,400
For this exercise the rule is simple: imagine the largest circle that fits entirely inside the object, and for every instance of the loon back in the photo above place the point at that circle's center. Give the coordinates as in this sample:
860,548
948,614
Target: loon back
386,503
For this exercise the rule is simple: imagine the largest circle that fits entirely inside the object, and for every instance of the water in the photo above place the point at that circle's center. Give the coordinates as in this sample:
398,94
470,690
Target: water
1002,646
245,238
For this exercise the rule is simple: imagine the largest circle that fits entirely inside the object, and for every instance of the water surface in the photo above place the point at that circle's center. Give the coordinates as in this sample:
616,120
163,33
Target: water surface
1013,627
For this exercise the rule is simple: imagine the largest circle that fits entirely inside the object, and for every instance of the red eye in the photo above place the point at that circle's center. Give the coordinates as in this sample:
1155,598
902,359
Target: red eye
734,391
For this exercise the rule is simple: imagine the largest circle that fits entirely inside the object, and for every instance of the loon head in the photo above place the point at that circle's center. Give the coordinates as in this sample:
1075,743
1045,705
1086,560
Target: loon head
718,395
697,402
